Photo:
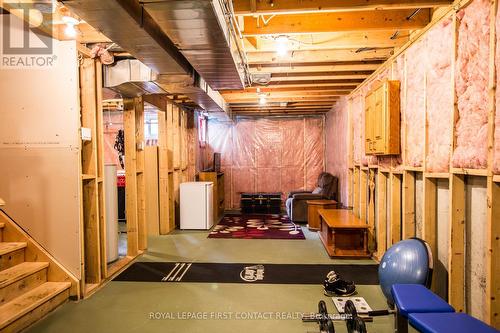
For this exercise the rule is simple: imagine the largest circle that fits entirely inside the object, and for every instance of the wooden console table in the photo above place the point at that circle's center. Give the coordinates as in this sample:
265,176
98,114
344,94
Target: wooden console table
343,234
313,221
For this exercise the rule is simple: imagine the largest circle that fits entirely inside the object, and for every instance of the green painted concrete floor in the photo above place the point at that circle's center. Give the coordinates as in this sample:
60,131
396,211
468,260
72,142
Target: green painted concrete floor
167,307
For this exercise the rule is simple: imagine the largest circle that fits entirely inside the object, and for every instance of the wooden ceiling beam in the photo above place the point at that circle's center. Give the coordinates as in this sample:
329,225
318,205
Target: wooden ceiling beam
330,73
312,82
335,22
329,41
310,63
321,56
288,89
289,99
271,7
239,98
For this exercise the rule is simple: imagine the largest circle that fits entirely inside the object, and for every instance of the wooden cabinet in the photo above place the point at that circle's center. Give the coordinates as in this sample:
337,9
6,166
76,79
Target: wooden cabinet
218,196
382,119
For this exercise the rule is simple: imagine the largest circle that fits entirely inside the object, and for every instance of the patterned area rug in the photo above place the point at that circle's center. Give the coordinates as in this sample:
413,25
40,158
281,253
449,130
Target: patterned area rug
257,227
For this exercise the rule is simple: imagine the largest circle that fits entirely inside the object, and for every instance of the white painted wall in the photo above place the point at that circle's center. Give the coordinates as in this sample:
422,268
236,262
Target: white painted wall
39,153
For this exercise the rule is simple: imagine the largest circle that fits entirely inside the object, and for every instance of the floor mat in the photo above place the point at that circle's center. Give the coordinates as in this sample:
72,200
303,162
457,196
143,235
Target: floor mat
256,227
245,273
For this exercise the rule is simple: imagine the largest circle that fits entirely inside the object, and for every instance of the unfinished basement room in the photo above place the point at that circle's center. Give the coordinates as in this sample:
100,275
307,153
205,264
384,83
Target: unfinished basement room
221,166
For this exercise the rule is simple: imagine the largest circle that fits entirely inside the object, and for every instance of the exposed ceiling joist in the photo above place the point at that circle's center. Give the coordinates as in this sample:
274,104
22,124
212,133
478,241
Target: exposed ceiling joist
332,40
334,22
350,55
299,90
354,82
311,63
243,7
329,73
249,98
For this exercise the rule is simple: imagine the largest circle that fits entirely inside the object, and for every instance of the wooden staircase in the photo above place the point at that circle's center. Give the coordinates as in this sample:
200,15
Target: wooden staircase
27,289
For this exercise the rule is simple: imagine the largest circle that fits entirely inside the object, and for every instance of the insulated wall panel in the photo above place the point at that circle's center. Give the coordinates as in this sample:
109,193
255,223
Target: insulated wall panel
268,155
439,96
357,113
336,129
415,104
313,150
471,77
496,154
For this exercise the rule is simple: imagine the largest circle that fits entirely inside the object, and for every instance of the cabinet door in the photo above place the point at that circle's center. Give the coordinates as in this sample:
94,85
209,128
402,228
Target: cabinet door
369,105
379,120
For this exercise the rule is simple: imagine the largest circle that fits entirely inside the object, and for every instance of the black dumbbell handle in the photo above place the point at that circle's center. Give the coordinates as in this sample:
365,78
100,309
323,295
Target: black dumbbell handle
378,313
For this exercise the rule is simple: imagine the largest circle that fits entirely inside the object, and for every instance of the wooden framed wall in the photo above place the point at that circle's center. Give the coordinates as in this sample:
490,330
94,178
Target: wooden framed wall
173,150
94,266
403,203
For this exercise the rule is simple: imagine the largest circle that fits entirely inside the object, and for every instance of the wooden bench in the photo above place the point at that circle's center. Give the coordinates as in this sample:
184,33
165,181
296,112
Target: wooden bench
343,234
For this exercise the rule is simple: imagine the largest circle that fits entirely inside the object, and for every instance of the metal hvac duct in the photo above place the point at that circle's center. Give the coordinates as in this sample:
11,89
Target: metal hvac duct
127,24
204,34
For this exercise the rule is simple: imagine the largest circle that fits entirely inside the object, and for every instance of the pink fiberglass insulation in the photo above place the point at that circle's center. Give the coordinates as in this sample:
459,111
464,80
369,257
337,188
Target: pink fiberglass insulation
357,131
268,146
337,136
314,151
219,140
471,84
113,123
415,104
268,155
439,96
496,153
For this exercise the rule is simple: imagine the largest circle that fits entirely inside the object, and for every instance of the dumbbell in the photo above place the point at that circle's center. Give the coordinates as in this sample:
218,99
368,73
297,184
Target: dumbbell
322,318
354,323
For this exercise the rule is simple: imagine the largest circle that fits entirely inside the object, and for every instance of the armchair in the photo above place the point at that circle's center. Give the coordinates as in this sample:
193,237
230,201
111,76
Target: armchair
296,203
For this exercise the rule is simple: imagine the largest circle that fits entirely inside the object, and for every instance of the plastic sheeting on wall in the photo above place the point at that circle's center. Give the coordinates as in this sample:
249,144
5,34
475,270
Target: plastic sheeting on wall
471,85
337,135
415,104
267,155
357,129
113,121
439,96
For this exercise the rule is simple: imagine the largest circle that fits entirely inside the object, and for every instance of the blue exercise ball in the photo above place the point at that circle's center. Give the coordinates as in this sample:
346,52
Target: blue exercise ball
408,261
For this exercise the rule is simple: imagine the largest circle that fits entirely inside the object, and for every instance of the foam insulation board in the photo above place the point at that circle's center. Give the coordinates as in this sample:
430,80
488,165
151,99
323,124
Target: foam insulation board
471,84
415,104
267,155
475,216
336,130
440,104
443,238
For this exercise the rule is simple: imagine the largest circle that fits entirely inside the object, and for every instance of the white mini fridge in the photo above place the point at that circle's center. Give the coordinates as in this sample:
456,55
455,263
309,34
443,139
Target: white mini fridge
196,201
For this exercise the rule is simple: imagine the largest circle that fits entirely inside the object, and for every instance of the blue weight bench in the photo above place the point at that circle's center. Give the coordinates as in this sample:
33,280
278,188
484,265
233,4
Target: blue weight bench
429,313
448,322
415,298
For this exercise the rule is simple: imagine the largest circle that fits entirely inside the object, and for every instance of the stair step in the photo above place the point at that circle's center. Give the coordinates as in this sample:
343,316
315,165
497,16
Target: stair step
18,272
7,247
32,305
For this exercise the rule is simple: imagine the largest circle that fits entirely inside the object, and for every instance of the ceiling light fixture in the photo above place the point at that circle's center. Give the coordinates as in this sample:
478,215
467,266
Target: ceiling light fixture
70,29
262,100
282,45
